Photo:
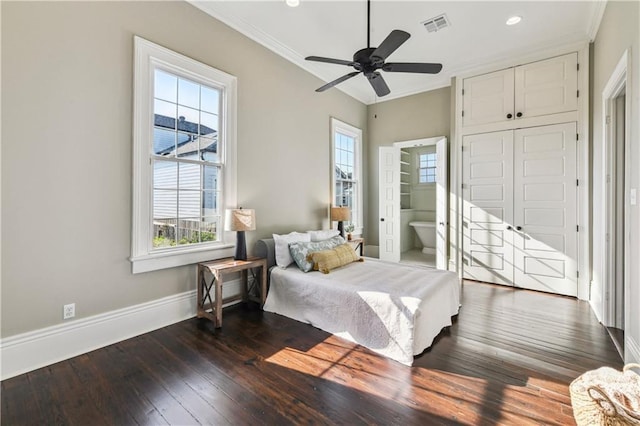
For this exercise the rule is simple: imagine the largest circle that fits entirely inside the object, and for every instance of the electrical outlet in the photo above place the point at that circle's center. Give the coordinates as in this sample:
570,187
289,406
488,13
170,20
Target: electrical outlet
69,311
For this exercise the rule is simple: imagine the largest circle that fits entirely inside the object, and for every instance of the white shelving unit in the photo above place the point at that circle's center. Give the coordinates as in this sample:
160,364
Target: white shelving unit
405,177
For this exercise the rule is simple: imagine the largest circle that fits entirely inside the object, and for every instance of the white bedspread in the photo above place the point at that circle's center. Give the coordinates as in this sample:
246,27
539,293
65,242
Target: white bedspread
393,309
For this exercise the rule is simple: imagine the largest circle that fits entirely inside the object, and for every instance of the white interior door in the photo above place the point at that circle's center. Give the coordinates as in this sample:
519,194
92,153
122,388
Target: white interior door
389,203
488,207
545,198
442,204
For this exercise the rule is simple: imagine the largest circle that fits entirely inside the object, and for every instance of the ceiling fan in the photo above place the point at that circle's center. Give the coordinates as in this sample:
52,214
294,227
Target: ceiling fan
371,59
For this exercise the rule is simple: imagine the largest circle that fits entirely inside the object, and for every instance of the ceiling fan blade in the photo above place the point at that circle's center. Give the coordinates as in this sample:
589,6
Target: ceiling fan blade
378,84
330,60
337,81
426,68
390,44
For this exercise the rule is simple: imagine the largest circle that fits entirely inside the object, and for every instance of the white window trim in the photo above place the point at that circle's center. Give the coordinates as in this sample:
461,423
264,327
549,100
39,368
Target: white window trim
147,56
342,127
418,153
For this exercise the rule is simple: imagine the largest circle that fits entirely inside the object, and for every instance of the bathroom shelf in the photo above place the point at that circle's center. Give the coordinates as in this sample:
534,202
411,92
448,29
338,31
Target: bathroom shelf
405,176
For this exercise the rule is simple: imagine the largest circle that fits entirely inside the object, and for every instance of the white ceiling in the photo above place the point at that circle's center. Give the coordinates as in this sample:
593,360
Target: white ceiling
477,38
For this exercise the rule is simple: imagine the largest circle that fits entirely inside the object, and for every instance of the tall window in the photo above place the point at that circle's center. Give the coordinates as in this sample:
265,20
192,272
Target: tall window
184,159
427,167
186,164
347,170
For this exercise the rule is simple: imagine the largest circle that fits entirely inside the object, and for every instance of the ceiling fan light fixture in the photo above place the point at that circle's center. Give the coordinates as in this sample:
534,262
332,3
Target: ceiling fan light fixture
514,20
293,3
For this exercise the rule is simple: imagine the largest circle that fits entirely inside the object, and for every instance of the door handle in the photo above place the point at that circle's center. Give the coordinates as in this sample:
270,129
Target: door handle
519,228
382,219
509,228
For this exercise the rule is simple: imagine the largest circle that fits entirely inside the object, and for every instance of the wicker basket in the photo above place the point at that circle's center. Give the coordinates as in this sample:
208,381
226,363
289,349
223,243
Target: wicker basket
607,397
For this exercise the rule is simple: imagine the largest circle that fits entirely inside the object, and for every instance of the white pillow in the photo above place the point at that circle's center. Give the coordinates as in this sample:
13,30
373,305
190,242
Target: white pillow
283,256
322,235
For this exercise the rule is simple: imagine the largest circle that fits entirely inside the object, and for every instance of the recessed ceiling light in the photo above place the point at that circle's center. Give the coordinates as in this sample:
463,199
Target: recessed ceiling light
514,20
293,3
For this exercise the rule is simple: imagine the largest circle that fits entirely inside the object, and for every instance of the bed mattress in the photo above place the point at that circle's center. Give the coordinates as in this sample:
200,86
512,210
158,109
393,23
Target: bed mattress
393,309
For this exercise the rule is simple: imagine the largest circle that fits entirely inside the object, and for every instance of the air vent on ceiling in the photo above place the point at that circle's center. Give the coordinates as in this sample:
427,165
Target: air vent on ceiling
436,24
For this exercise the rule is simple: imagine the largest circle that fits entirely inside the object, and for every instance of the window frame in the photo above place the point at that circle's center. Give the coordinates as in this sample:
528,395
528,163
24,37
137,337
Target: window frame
418,168
356,134
147,57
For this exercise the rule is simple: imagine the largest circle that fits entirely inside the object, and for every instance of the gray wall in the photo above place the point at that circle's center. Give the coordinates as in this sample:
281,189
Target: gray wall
413,117
66,141
619,30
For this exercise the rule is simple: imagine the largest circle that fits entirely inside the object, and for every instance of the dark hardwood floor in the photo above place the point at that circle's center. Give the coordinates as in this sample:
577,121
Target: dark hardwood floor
508,359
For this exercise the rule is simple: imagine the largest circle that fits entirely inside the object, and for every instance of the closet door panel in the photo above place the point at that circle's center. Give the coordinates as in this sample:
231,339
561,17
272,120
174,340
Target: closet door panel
546,87
488,98
488,207
545,198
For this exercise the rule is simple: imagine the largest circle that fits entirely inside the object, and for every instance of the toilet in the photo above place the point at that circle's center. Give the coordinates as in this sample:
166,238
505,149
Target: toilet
427,233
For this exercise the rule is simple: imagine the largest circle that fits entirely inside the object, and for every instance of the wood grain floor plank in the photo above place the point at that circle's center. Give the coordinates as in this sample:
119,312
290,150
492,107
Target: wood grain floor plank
99,388
119,373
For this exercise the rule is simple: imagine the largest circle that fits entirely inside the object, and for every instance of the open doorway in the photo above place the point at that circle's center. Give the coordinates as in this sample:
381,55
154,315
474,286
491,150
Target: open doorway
413,202
618,197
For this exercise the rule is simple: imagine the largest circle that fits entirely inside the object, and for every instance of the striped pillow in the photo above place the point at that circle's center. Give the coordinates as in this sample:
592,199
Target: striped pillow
326,260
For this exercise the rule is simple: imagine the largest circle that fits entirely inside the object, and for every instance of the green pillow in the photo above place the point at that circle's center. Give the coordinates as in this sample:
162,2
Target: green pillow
301,249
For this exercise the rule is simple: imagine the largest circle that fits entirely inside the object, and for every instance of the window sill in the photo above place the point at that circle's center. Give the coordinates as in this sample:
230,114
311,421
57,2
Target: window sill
172,259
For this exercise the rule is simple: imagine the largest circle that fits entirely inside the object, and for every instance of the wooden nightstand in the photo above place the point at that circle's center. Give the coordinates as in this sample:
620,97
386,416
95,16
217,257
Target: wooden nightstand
218,268
357,243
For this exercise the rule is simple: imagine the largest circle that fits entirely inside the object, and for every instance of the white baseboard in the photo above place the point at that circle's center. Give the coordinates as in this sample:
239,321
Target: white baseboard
29,351
631,350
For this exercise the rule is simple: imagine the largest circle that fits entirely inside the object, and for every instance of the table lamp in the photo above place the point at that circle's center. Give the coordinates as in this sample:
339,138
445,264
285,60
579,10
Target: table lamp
241,220
340,214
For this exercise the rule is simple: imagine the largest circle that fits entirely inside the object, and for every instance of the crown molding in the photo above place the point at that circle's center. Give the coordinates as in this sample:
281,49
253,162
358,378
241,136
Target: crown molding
515,58
216,10
597,13
554,47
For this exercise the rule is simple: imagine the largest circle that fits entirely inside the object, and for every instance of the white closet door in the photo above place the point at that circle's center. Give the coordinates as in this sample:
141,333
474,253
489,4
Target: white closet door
547,87
442,204
389,203
545,201
488,207
488,98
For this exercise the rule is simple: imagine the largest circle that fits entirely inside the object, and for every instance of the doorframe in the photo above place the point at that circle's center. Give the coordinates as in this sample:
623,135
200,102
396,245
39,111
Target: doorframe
618,82
433,141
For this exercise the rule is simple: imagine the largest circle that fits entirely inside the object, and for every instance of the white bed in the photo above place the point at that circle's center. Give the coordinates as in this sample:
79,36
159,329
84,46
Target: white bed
393,309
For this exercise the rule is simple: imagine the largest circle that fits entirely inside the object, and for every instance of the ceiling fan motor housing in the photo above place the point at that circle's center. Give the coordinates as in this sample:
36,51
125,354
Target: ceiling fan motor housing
365,62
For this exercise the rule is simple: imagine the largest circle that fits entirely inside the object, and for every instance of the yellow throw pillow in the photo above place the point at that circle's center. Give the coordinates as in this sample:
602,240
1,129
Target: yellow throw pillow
326,260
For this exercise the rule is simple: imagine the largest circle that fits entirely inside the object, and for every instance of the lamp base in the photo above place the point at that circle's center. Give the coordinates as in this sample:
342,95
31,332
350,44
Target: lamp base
341,228
241,246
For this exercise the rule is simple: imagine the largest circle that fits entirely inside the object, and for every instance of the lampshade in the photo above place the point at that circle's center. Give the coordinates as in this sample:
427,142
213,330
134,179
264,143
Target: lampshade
340,213
241,220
